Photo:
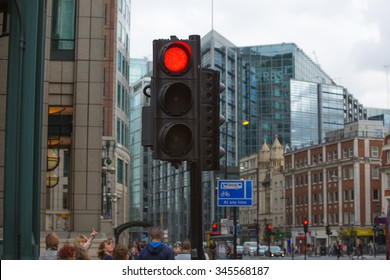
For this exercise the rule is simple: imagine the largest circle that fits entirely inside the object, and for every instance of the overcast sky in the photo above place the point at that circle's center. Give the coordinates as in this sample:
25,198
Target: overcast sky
350,39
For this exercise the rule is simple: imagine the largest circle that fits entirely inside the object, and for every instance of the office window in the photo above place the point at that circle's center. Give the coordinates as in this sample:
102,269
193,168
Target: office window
375,195
388,156
375,173
345,195
351,151
62,30
374,151
120,171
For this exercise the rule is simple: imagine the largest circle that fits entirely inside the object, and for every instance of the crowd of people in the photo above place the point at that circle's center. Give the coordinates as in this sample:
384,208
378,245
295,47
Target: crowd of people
155,249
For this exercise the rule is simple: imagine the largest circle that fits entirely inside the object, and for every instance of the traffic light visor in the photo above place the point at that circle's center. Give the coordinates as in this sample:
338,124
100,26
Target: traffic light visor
176,57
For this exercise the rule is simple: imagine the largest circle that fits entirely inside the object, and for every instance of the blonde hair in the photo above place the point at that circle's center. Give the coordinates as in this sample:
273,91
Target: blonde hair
52,241
79,239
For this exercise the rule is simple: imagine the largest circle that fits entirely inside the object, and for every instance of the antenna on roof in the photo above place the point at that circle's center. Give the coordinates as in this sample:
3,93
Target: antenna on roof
212,14
315,57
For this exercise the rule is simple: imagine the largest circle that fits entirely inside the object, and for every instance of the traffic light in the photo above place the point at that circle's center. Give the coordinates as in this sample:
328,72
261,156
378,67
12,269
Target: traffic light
305,225
328,232
211,88
269,229
175,91
214,227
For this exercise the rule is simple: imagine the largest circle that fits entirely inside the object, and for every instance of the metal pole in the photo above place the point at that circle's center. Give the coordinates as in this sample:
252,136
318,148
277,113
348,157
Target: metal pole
305,245
196,211
235,233
257,210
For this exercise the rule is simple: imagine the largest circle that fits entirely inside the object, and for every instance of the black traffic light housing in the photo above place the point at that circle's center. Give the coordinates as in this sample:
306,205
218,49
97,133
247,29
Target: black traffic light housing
305,225
328,231
175,98
211,89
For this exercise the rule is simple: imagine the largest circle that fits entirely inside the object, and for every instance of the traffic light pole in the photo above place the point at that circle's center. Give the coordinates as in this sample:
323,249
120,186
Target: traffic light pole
196,228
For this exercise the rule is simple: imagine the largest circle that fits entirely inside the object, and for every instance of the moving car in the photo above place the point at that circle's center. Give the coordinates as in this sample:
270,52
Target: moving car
262,250
276,251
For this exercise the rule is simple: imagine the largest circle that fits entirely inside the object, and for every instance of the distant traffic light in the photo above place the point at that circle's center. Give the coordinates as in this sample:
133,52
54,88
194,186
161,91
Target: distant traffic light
305,225
214,227
175,99
211,119
328,232
269,229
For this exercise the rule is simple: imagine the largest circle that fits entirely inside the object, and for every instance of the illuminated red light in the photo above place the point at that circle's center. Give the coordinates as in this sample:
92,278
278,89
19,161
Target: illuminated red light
177,57
269,226
305,222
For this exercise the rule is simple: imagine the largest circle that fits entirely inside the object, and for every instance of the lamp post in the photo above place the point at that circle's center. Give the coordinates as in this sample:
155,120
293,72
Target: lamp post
244,123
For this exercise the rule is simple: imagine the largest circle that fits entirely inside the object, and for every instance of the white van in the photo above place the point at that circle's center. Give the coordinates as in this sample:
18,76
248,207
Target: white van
250,248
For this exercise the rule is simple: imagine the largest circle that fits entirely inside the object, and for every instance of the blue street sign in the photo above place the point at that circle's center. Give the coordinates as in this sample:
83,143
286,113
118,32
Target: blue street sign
235,193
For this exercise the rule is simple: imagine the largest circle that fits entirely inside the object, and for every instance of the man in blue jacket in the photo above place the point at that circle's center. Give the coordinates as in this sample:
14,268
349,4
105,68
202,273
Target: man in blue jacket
156,249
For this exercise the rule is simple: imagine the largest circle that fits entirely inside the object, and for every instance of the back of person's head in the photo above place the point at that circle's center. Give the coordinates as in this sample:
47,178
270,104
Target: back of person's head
67,252
120,252
81,253
186,245
80,239
156,233
52,241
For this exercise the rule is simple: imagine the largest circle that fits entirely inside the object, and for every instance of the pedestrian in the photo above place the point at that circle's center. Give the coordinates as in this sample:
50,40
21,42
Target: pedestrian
134,251
81,253
67,252
105,250
337,250
52,242
185,253
121,252
371,248
359,249
156,249
83,241
176,249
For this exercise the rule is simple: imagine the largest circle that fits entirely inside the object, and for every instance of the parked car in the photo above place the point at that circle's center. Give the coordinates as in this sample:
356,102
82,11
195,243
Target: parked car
262,250
276,251
250,248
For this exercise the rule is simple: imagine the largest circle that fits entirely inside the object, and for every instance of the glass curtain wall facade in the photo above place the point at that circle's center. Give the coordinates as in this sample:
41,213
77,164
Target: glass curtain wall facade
268,99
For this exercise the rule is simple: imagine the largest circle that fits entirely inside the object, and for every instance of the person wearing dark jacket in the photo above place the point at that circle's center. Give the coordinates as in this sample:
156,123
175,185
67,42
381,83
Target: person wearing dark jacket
156,249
